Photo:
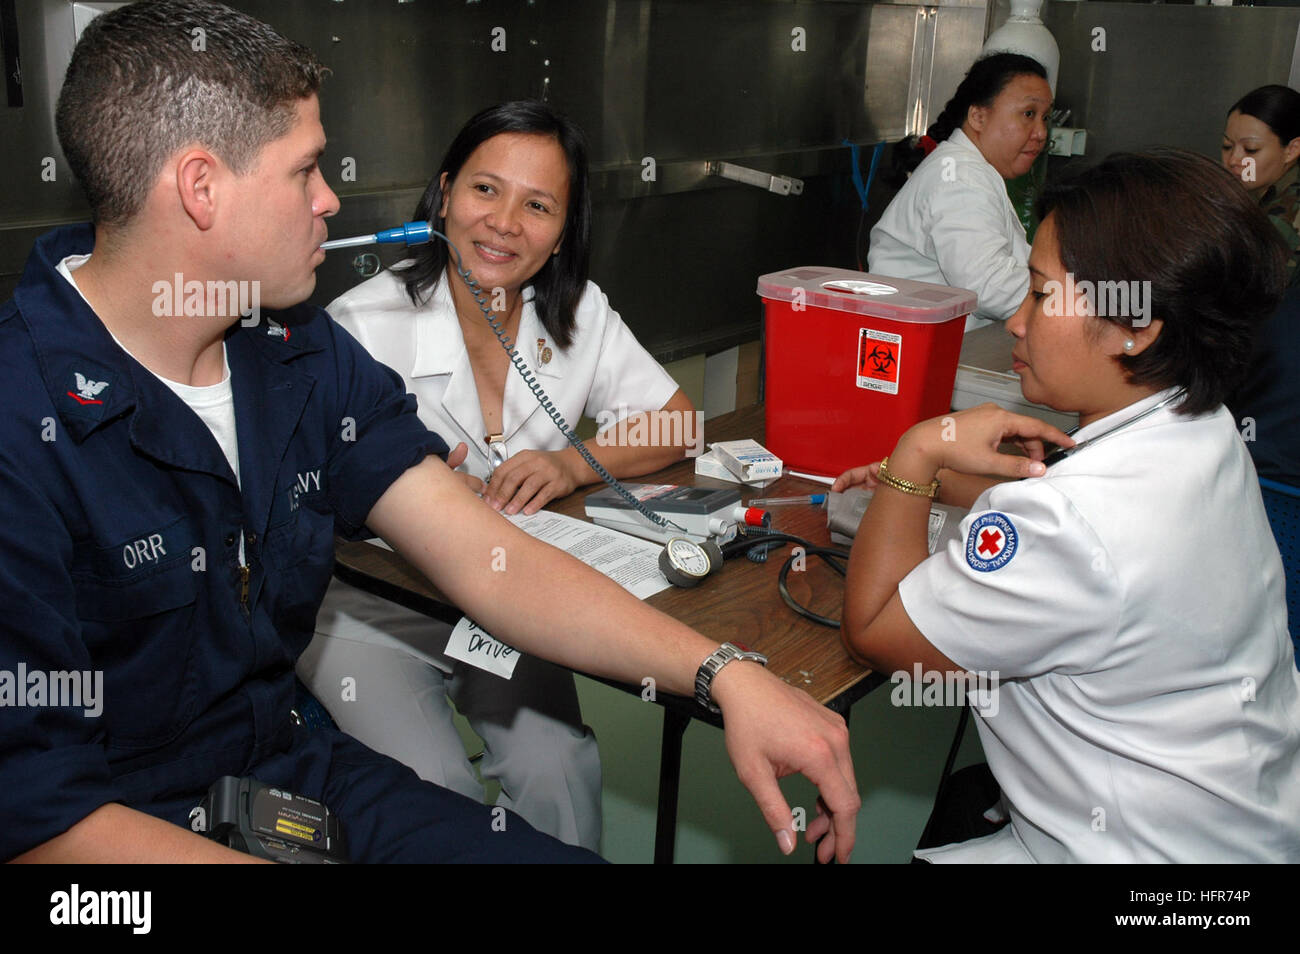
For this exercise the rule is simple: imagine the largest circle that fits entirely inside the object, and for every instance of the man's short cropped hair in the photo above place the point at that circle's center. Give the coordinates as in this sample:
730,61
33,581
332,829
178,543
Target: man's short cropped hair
153,77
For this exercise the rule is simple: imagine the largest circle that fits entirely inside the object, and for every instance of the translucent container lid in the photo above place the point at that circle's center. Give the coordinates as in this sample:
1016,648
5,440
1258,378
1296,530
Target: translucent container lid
842,289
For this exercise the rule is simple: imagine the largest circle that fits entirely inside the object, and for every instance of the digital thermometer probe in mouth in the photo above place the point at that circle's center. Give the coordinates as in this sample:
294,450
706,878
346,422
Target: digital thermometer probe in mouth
410,233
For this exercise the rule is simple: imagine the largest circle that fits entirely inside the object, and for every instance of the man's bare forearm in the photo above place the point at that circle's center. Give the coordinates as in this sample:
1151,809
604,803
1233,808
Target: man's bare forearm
544,602
527,593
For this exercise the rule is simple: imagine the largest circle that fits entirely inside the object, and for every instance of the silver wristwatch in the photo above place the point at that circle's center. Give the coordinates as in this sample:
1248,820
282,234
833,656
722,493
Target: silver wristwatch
710,667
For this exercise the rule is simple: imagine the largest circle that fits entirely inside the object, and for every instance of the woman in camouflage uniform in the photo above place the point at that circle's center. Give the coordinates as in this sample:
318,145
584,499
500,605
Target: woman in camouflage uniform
1261,146
1261,143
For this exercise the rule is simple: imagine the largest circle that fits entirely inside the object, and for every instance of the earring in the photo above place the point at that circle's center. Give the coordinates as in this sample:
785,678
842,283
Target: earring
1128,345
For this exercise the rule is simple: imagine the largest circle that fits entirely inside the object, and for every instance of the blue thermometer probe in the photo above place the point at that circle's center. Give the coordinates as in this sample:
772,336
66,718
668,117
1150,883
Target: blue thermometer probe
410,233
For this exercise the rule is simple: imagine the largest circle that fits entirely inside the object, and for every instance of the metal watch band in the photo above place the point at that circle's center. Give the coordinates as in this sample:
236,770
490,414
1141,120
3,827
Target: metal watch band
712,665
930,490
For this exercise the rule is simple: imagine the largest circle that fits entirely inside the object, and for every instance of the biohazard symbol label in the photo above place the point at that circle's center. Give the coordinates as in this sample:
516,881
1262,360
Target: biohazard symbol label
879,357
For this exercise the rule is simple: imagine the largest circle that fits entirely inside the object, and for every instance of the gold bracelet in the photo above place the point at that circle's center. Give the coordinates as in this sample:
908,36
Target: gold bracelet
930,490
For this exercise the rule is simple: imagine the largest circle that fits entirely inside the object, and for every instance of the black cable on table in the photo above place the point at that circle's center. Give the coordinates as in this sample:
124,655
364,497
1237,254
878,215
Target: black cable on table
769,541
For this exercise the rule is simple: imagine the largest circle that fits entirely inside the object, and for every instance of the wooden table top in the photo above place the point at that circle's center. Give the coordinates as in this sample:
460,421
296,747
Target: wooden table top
740,603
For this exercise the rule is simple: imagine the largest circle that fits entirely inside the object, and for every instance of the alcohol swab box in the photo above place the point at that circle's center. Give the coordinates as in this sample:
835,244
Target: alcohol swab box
748,459
707,465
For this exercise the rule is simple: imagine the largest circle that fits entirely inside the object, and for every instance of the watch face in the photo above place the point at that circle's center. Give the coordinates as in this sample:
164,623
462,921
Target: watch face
688,557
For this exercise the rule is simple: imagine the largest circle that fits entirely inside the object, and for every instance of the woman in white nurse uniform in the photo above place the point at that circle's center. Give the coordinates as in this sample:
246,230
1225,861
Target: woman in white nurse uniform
512,196
1127,596
952,223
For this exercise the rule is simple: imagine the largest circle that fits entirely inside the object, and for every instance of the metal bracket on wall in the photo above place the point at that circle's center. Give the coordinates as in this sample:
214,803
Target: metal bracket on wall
781,185
922,73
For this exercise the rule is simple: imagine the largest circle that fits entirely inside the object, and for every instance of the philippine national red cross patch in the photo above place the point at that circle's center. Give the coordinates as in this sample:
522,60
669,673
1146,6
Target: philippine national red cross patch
991,543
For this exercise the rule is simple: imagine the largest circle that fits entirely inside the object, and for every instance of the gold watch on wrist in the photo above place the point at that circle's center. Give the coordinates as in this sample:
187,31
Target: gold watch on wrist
930,490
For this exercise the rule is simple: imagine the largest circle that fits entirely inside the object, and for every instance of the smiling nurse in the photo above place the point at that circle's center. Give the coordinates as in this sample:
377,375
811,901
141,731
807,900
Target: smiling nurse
512,196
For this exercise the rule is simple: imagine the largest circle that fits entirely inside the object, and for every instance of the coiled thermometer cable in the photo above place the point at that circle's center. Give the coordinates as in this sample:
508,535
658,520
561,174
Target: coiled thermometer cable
417,233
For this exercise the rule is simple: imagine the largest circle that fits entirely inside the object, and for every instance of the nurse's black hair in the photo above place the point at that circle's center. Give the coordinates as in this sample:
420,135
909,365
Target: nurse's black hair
559,284
1277,107
1216,265
985,80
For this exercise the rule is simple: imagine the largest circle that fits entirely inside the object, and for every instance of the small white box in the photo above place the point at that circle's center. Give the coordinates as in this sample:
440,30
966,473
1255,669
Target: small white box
749,460
707,465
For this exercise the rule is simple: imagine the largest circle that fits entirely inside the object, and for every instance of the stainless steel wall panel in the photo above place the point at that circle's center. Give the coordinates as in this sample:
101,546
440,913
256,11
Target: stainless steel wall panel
682,269
891,32
405,76
1168,73
27,132
683,81
916,56
959,35
724,79
622,89
921,68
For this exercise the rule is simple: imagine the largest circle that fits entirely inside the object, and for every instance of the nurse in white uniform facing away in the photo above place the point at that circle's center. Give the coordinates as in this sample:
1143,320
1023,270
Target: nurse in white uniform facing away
512,196
1128,598
952,223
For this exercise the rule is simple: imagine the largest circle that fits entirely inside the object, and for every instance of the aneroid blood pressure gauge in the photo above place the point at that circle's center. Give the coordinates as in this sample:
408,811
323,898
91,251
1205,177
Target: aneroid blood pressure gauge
684,562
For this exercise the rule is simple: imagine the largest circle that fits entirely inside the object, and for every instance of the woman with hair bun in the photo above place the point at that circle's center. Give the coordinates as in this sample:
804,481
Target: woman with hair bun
953,223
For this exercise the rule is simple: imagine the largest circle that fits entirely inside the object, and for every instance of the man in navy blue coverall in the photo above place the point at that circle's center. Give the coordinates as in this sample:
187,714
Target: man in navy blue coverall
173,477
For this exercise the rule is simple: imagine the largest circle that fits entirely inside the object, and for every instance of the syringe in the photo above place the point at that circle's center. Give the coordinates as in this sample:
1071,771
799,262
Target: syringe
412,233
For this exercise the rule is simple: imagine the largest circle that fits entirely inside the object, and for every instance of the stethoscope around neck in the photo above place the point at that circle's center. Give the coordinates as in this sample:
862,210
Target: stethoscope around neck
1060,455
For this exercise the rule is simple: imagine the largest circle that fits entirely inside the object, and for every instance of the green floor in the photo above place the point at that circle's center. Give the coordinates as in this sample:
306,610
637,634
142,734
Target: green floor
898,754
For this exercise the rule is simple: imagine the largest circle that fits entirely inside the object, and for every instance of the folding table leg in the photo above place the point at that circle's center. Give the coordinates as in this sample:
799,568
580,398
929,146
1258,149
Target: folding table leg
670,772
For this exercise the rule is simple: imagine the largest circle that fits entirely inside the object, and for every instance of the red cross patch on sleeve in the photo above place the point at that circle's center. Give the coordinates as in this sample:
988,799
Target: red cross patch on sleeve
991,543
